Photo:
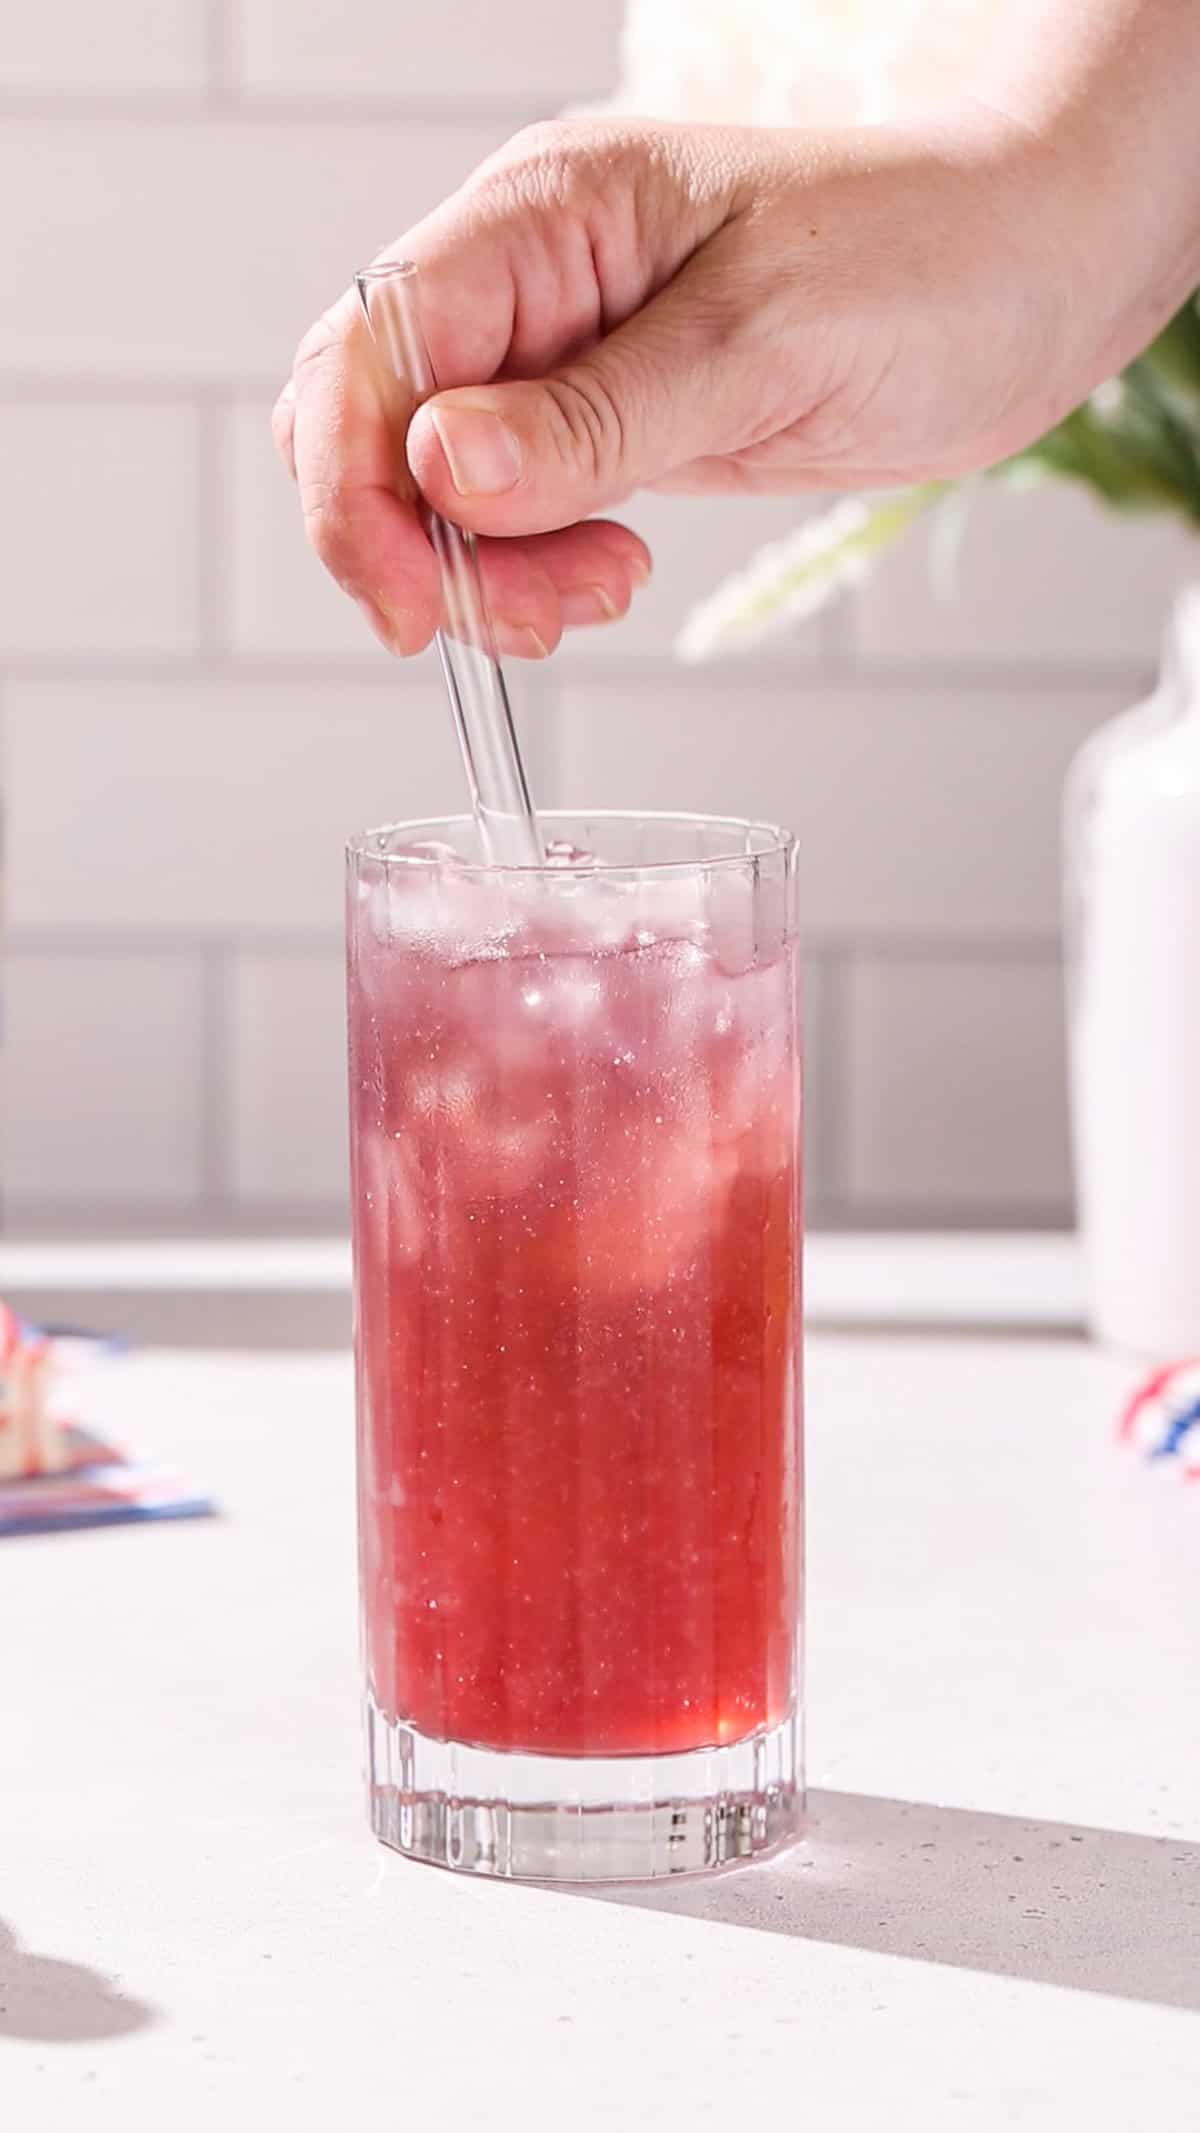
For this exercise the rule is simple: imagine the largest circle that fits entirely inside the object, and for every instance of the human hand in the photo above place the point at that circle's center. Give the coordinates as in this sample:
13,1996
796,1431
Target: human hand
615,304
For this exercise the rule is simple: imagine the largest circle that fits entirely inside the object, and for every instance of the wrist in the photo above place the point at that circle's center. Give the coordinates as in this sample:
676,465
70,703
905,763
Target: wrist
1092,116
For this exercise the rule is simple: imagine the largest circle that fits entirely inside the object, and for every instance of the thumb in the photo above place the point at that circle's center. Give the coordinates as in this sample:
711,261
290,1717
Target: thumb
532,455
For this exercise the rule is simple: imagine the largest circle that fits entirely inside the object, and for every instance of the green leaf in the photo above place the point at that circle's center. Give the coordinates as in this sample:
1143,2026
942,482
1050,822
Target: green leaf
1175,353
1112,460
1136,442
1166,434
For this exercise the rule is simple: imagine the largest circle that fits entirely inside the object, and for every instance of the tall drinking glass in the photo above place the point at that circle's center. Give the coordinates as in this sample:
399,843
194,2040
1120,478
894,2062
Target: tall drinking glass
575,1114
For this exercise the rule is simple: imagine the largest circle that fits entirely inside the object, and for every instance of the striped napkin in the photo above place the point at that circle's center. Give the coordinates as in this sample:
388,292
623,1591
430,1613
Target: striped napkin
55,1473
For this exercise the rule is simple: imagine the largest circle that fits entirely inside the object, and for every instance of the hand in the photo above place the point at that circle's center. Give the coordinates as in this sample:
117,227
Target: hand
615,304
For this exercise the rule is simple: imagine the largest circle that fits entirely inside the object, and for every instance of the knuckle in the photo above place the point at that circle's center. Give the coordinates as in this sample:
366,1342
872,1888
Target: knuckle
553,142
545,136
551,164
326,338
588,428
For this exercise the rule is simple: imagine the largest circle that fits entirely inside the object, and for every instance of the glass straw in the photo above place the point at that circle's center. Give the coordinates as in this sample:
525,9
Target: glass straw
466,645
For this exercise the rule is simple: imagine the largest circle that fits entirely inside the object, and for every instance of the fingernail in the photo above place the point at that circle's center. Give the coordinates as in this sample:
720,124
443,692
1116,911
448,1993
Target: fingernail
481,451
641,569
587,603
517,640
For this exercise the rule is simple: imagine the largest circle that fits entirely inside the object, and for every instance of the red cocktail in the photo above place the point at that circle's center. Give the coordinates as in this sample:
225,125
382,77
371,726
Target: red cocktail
575,1130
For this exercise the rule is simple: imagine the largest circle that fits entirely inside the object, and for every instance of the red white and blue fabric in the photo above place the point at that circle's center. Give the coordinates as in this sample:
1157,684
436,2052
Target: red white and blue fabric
1161,1419
56,1473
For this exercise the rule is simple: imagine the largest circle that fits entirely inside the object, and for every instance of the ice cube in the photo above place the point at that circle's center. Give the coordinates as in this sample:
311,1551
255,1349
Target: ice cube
501,1156
701,1008
670,906
603,915
733,917
579,999
568,910
369,915
754,1094
393,1199
427,848
645,1224
414,906
560,852
439,911
447,1088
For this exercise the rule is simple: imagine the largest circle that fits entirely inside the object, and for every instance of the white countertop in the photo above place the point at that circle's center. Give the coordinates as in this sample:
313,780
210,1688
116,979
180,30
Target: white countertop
994,1924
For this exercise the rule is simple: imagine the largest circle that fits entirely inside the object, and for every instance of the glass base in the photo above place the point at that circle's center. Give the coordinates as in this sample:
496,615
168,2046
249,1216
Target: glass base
527,1817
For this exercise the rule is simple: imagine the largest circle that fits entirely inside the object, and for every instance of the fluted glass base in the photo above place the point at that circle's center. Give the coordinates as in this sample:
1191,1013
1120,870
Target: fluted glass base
588,1818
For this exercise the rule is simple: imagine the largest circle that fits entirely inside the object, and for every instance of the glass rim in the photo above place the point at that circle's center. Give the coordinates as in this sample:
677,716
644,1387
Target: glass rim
776,843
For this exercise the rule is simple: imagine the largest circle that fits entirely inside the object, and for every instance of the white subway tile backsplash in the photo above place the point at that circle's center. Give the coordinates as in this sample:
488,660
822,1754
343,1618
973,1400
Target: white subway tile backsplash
1042,574
102,1078
191,247
101,497
219,806
536,52
121,48
173,872
954,1100
282,603
288,1080
917,810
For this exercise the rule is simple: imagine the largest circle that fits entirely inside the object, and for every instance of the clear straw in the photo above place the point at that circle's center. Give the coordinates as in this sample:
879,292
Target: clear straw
466,645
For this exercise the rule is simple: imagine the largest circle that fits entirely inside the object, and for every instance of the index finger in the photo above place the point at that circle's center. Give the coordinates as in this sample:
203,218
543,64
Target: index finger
356,492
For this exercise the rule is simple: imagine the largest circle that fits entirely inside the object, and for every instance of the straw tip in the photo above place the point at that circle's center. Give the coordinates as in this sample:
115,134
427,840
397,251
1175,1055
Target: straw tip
387,270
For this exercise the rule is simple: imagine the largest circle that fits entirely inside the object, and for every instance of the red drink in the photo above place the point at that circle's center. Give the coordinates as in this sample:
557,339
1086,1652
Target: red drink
575,1111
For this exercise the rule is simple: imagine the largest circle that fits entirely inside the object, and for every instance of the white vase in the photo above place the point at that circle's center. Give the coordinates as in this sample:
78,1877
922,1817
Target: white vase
1132,841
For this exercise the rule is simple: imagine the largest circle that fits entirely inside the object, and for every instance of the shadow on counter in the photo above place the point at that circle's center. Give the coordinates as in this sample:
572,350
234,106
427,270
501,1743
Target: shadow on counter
46,2000
1096,1910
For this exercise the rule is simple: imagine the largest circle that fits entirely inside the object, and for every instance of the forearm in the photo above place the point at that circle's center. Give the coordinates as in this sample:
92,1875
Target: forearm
1109,93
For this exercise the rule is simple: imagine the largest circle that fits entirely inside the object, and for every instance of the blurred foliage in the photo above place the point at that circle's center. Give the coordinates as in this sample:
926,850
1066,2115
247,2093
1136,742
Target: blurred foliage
1136,442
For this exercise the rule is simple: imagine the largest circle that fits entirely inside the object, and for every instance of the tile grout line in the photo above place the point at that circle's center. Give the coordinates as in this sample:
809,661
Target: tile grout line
220,48
795,684
177,388
222,99
213,618
837,636
138,1219
1035,947
882,1217
117,941
541,723
216,1029
194,1218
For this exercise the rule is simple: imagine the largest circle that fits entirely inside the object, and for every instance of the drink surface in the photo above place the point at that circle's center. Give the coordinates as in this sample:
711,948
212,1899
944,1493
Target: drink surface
577,1243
